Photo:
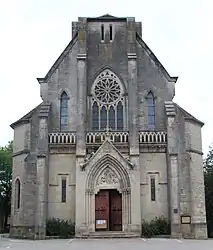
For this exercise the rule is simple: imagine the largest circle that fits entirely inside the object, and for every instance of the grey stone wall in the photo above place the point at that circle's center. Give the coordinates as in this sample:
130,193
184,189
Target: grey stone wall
64,77
150,77
24,168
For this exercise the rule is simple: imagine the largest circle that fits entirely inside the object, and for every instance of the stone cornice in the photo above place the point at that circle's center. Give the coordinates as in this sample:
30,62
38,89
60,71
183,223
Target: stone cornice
191,150
132,56
24,151
170,108
81,56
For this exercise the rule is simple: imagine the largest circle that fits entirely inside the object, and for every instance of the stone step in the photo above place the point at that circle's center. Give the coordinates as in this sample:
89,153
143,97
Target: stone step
108,234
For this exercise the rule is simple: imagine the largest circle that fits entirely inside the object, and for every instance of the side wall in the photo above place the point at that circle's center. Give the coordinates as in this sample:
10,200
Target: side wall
153,165
151,78
64,78
198,208
24,168
61,166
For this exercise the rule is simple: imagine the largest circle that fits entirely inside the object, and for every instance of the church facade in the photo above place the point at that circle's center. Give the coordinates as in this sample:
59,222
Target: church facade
107,147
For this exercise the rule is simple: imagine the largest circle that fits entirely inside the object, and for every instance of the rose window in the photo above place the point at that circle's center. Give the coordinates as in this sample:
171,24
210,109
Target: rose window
107,90
108,102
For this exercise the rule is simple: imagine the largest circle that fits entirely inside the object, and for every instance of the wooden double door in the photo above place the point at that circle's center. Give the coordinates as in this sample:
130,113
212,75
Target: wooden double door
108,208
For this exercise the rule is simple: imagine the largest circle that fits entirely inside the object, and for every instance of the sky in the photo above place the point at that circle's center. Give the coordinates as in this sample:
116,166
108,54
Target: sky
33,33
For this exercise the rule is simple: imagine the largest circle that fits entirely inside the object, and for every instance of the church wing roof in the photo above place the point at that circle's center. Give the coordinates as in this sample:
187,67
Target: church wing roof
59,60
25,118
156,61
188,116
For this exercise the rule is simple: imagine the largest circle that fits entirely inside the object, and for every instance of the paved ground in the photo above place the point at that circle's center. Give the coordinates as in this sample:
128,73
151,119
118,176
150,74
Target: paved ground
111,244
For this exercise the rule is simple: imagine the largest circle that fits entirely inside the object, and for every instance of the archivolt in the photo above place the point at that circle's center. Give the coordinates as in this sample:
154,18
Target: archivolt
116,167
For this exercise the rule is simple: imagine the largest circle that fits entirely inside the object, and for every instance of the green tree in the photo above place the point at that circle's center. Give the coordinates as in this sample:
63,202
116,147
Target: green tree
208,177
5,184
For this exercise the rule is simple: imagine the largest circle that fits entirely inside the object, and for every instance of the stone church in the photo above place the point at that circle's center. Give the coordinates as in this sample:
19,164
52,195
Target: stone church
107,147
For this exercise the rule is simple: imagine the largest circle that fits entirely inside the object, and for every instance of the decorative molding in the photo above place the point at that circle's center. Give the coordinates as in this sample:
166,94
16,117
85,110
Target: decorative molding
61,92
153,93
62,149
89,191
62,138
107,177
126,190
131,164
157,148
153,137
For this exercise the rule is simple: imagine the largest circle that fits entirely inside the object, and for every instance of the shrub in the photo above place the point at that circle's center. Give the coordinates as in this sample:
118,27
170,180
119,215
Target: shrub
157,226
60,228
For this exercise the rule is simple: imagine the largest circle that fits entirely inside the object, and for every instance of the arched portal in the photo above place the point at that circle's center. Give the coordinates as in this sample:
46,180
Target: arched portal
108,177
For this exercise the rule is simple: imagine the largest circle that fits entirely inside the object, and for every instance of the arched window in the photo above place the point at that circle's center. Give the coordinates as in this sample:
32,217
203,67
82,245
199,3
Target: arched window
108,102
120,118
17,193
64,112
112,118
103,118
95,116
151,111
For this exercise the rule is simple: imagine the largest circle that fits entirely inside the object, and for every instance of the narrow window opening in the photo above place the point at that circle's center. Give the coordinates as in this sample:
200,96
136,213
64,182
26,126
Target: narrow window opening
153,189
64,112
102,32
120,118
103,118
17,193
95,116
111,118
151,111
63,190
110,29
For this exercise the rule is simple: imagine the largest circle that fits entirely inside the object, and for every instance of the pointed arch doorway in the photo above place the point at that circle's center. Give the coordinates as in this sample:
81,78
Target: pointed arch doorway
108,196
108,210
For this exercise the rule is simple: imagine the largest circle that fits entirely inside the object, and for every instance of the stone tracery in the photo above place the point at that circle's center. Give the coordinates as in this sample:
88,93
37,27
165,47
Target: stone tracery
107,177
108,102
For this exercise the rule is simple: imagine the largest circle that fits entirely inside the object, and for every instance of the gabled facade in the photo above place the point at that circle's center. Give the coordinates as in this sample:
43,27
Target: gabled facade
107,147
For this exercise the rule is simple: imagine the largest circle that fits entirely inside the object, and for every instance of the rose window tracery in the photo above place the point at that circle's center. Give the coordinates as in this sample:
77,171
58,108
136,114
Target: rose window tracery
108,102
107,89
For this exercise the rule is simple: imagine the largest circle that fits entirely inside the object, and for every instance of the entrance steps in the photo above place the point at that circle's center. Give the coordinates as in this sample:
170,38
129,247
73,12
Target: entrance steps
108,235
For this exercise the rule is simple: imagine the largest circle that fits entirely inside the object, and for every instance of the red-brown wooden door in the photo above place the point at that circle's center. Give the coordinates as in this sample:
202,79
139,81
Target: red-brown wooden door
115,211
102,207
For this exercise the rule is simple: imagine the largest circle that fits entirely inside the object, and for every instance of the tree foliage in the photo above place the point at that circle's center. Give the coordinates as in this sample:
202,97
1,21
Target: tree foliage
5,183
208,177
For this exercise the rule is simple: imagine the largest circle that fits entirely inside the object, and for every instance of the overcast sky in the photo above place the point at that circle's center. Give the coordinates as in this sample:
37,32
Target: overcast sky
33,33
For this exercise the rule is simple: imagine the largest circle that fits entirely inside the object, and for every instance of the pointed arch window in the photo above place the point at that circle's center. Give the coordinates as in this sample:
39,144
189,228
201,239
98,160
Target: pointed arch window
151,111
120,118
64,112
112,118
103,118
17,193
95,116
108,102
